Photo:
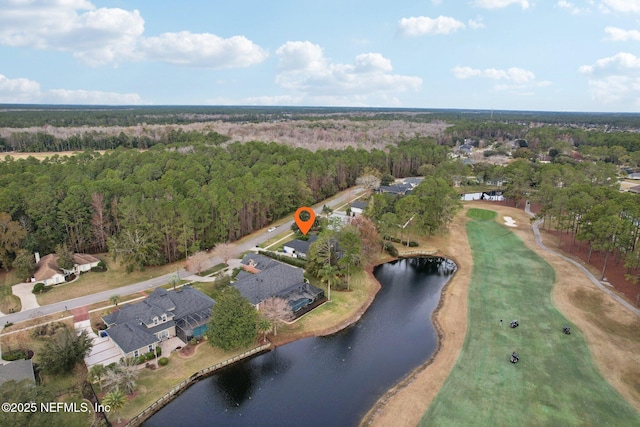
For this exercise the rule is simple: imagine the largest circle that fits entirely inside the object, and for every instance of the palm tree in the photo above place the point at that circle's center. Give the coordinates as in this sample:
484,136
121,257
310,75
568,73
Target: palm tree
328,273
115,400
263,326
114,299
97,373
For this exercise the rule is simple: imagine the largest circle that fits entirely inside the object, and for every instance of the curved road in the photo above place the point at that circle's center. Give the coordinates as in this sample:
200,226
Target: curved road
591,277
246,244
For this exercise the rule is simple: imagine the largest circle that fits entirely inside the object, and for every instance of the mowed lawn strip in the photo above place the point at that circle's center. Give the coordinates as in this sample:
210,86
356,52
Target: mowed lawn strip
555,382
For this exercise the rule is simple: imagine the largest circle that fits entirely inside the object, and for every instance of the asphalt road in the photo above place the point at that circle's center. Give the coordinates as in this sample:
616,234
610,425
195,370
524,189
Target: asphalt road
248,243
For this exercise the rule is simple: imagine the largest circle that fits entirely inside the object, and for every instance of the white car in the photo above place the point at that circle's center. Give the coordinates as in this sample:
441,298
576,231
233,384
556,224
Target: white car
270,229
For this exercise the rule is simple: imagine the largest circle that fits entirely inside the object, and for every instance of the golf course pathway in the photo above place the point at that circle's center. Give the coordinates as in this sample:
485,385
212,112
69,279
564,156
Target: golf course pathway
591,277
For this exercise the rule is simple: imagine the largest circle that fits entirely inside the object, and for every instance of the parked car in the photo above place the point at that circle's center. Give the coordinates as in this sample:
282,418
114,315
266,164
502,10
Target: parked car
270,229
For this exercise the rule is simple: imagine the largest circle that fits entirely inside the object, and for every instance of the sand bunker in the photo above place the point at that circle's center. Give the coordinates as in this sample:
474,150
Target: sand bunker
510,222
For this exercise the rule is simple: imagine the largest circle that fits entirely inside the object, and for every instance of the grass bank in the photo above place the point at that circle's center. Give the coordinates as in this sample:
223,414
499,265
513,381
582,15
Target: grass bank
115,277
555,382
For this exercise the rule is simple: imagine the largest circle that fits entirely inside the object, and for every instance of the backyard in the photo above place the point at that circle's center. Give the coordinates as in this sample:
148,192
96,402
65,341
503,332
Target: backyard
556,381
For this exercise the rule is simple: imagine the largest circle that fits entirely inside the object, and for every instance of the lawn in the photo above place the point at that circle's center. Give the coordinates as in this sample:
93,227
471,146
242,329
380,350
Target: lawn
115,277
555,382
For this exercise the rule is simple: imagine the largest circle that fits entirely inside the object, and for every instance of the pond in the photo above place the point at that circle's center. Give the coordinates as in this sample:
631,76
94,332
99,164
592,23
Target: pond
326,381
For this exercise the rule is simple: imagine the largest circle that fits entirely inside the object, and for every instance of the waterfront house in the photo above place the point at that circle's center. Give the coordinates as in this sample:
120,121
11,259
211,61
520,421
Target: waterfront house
138,328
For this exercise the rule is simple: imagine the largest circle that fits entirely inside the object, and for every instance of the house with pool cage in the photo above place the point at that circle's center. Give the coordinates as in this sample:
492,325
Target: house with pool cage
264,278
139,328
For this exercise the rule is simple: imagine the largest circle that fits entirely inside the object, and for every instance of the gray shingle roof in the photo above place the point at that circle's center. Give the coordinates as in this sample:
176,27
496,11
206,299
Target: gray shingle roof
270,282
258,261
301,246
131,336
125,324
17,370
359,204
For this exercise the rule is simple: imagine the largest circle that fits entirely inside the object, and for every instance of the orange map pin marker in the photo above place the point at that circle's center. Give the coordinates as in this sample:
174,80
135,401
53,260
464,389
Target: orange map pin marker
305,225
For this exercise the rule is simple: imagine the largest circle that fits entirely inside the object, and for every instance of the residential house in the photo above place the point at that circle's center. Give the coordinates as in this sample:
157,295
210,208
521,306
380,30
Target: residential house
413,181
49,273
17,370
633,176
255,263
282,281
138,328
635,189
358,207
299,248
397,189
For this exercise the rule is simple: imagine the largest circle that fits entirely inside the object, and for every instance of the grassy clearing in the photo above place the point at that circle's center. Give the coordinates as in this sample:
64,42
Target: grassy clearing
555,382
8,301
115,277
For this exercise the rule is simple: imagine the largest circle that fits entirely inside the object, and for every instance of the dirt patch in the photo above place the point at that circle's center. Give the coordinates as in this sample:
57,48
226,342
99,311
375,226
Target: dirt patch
187,351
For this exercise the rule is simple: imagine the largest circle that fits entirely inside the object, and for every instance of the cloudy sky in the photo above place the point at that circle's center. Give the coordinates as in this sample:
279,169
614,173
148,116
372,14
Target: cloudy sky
551,55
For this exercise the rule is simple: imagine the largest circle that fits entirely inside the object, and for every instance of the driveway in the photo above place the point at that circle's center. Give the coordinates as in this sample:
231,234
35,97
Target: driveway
28,299
103,352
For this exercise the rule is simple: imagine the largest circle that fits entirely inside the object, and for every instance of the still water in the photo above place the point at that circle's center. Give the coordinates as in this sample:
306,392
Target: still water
326,381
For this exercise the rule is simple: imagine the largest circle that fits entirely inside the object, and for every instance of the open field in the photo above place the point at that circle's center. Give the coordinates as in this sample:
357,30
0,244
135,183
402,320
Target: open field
556,381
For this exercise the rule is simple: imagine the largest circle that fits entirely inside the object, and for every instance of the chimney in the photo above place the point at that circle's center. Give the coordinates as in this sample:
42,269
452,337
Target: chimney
37,254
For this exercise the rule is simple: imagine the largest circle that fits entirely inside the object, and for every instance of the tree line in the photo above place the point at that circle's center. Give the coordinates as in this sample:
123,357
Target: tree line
154,207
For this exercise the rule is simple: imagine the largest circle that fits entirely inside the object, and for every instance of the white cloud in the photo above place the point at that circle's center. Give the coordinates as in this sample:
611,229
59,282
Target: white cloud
91,97
202,50
615,79
417,26
621,5
513,74
18,90
496,4
476,24
96,36
305,70
99,36
572,8
618,34
25,91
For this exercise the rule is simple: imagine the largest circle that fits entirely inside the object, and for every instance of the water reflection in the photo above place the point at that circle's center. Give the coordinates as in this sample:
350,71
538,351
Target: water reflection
326,381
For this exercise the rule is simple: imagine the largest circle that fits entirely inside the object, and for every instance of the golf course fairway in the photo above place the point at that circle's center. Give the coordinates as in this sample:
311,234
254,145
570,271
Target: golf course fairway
555,383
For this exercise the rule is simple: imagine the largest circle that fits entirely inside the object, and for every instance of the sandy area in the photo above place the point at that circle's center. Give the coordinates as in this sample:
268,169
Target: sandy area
405,404
610,329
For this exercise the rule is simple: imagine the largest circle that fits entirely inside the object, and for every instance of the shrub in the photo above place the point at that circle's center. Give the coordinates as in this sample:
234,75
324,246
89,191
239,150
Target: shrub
14,355
391,249
412,244
163,361
99,268
149,356
296,262
7,324
38,288
158,351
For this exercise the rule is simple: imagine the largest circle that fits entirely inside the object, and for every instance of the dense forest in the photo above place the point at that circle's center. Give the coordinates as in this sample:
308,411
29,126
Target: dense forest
152,207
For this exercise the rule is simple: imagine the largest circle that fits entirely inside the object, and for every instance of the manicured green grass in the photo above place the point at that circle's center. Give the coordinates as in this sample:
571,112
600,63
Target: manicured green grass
481,214
555,383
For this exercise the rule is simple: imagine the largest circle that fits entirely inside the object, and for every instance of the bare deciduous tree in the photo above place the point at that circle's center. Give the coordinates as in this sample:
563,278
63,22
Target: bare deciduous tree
276,310
226,251
197,262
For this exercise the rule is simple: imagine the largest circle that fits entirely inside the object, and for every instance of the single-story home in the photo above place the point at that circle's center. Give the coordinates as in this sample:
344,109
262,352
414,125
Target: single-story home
299,248
633,176
397,189
138,328
282,281
358,207
17,370
49,273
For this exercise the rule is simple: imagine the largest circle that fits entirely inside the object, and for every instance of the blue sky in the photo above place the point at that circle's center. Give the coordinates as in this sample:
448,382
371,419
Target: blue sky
553,55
